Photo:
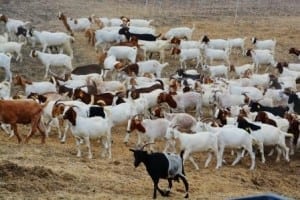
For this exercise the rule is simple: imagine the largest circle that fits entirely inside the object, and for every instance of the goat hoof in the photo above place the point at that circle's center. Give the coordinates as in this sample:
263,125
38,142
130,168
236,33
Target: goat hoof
62,142
167,193
186,196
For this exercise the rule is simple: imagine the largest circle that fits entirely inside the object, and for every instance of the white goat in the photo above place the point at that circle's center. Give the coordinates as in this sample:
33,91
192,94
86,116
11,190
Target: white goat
180,32
12,25
151,66
5,88
34,87
240,70
149,130
123,52
266,134
226,100
111,63
140,22
12,47
252,92
157,46
52,60
182,101
216,54
260,57
187,54
217,70
198,142
72,24
5,60
215,43
4,38
104,36
232,137
48,39
264,44
237,43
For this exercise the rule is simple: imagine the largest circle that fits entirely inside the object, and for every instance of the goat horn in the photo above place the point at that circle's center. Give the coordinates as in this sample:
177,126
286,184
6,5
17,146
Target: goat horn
146,145
207,119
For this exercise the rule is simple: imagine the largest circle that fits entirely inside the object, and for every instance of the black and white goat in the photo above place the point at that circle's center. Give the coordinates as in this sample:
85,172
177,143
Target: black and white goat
148,37
162,165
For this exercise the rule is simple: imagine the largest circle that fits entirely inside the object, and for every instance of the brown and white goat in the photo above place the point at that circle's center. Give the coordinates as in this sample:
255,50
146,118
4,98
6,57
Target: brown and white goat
182,101
295,51
100,99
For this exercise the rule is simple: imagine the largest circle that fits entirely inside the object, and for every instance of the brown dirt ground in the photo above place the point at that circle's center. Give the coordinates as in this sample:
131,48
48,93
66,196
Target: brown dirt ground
52,171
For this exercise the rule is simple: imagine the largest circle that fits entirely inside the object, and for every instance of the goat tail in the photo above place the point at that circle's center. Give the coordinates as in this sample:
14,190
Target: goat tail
158,35
290,135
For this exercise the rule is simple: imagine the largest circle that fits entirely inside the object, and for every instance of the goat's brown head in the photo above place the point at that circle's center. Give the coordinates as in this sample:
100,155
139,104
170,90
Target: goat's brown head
70,115
175,51
136,124
166,97
19,80
3,18
175,40
58,109
295,51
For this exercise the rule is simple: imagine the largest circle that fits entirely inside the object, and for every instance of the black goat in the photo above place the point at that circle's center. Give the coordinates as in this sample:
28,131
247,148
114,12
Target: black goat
277,111
148,37
162,165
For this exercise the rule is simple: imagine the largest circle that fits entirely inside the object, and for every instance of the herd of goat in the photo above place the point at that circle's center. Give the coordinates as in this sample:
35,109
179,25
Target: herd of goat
249,109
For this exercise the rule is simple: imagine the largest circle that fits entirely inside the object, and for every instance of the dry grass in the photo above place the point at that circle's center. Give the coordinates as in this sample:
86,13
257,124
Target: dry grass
52,171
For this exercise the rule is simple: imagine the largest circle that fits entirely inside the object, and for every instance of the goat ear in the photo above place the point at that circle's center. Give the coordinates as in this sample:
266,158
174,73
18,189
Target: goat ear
133,150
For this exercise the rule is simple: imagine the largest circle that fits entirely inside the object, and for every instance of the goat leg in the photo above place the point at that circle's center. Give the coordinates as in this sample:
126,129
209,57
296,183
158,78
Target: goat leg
15,128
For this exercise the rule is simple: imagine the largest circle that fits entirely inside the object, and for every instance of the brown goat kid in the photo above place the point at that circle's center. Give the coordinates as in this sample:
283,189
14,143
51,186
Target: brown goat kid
15,112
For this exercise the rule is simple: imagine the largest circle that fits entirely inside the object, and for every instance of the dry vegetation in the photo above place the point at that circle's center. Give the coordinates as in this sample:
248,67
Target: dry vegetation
52,171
